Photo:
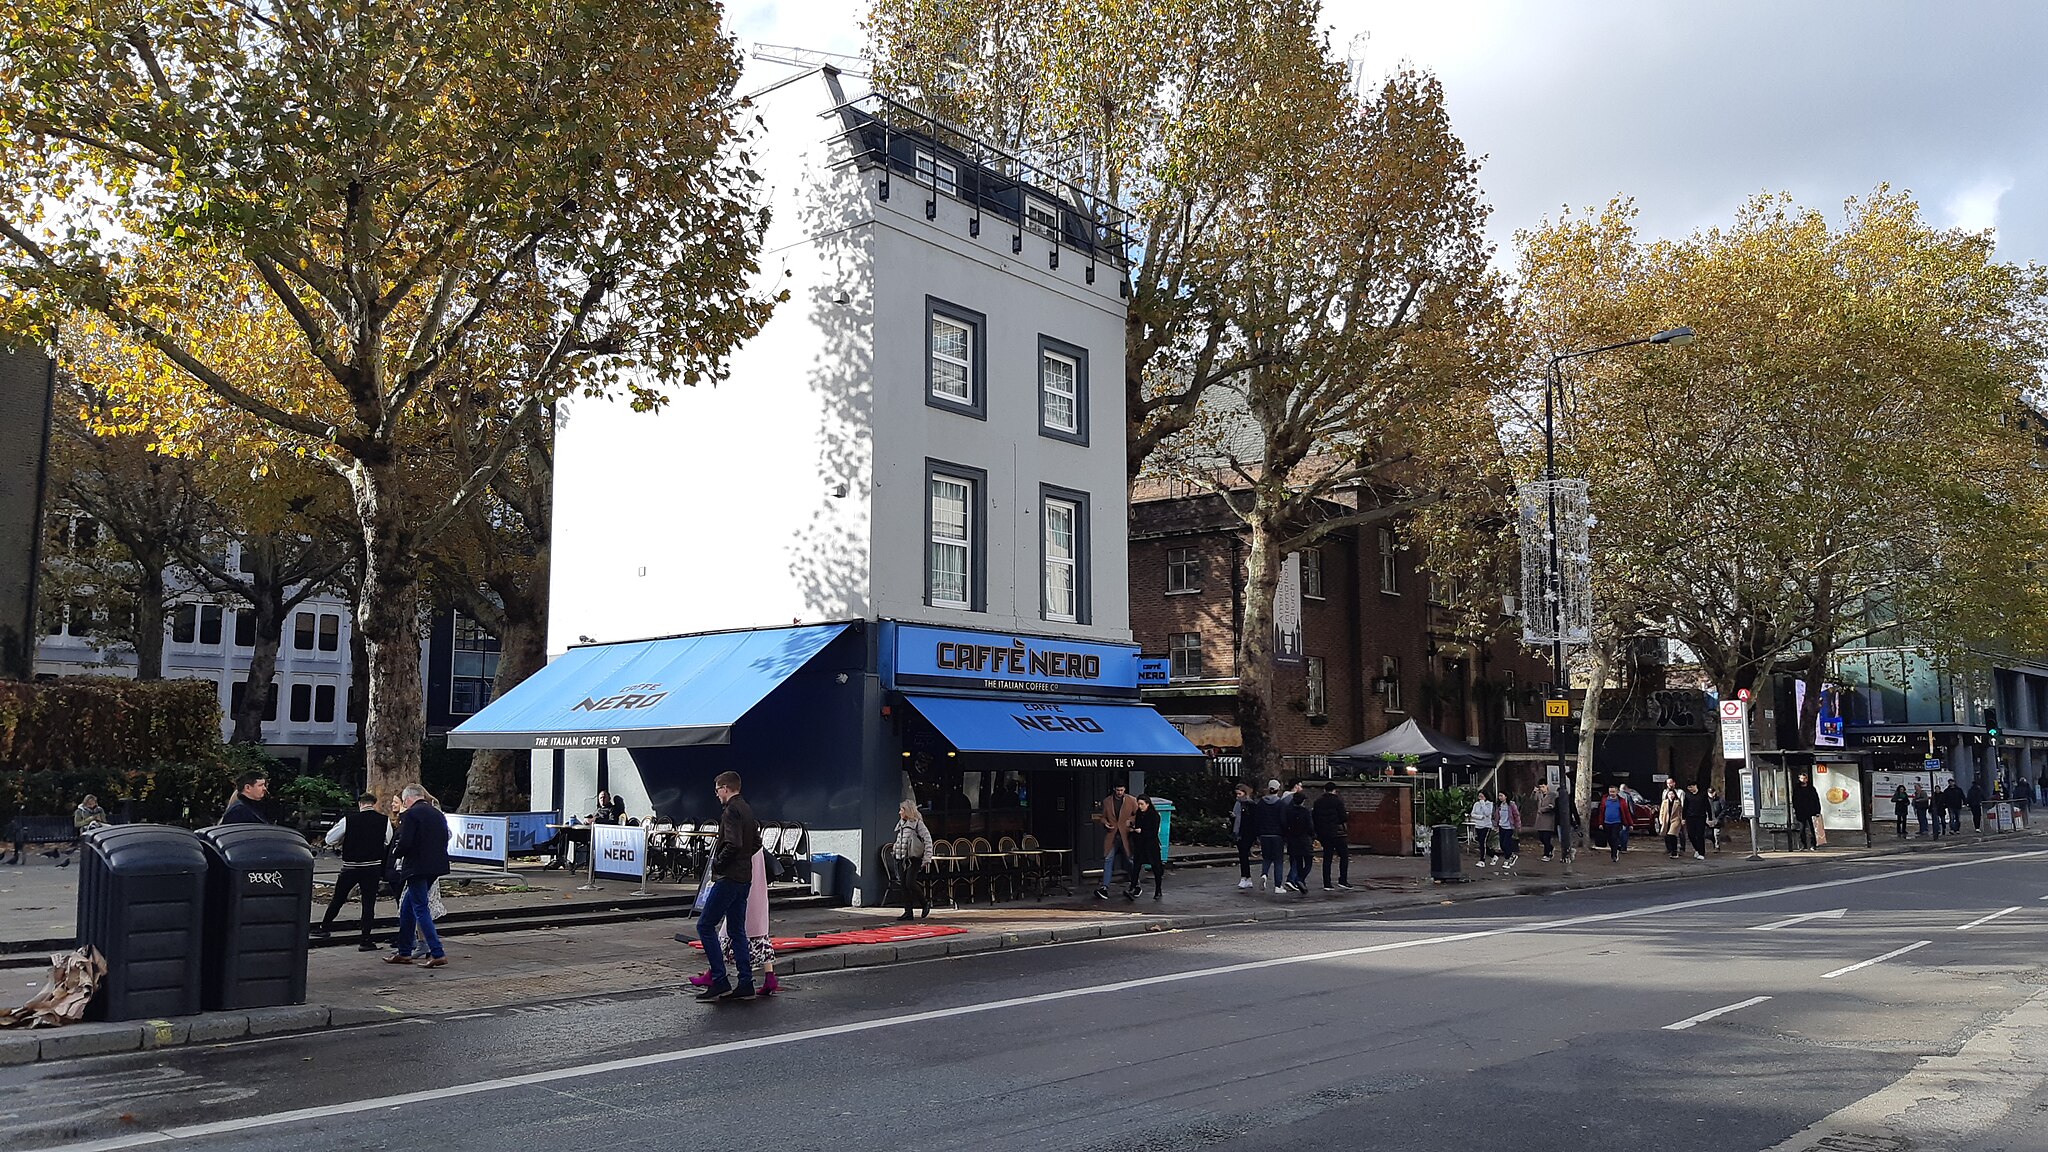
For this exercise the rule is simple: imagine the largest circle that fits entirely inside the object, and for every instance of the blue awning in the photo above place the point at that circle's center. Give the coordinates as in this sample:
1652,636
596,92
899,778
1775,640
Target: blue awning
647,693
1022,734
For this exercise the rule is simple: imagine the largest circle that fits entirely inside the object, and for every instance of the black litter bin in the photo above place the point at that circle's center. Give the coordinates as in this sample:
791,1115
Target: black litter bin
259,900
1446,857
142,903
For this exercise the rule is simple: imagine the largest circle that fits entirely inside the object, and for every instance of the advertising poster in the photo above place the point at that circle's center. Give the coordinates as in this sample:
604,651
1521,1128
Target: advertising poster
618,852
1827,729
1287,613
1841,796
1774,801
478,839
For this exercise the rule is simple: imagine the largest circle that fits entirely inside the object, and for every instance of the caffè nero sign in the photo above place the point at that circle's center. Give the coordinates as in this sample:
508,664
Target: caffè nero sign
923,656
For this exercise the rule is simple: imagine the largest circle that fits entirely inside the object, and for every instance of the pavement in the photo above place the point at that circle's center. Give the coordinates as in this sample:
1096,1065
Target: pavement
1833,1002
574,958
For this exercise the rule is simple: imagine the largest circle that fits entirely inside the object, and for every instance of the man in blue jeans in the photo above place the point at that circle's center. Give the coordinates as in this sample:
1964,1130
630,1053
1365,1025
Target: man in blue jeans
1614,814
423,853
732,871
1269,820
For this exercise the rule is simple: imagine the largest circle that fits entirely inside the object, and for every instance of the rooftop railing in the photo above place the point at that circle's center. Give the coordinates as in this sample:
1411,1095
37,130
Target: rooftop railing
1000,189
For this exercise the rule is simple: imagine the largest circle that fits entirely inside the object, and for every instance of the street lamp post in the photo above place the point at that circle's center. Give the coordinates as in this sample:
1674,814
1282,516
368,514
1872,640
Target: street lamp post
1554,599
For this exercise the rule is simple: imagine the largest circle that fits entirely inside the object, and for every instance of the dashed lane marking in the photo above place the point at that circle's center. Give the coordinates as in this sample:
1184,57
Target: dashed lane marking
1703,1017
1875,960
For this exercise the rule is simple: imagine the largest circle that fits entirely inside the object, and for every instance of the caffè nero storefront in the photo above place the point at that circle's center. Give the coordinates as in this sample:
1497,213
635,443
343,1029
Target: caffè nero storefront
832,725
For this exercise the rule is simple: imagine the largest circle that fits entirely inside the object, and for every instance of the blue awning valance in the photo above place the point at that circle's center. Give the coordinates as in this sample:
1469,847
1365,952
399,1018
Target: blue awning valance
645,694
1038,734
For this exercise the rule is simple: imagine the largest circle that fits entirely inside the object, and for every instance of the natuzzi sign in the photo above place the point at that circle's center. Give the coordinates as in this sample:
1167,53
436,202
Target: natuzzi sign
998,662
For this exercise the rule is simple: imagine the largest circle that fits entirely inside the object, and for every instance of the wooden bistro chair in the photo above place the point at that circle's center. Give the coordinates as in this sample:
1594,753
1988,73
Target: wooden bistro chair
951,874
1014,866
990,866
892,874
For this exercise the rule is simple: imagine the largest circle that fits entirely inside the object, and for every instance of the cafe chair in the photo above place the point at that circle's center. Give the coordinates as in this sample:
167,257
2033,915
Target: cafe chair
892,874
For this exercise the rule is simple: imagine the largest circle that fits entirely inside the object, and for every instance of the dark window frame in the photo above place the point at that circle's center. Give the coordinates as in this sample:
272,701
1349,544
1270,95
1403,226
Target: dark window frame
323,703
976,404
1198,566
245,626
1175,650
184,624
1084,554
302,702
212,621
977,533
1312,561
1079,356
305,626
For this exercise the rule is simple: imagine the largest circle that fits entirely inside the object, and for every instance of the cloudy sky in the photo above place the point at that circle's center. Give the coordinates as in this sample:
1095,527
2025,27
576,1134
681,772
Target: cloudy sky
1690,108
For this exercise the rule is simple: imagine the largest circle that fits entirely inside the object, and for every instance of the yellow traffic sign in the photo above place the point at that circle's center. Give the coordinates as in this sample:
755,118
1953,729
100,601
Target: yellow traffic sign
1558,709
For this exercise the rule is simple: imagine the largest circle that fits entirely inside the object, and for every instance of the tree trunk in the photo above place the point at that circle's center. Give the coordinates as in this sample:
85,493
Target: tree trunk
1255,655
494,773
387,616
269,609
149,621
1589,730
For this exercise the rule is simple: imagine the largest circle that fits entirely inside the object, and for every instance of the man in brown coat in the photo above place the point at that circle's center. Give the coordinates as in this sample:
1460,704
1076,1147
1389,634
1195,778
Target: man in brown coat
1119,810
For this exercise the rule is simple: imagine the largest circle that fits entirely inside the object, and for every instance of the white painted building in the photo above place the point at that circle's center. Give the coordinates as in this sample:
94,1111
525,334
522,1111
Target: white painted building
213,638
886,557
917,433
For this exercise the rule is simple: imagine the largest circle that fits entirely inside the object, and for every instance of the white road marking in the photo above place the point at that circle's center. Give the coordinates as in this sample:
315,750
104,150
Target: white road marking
658,1059
1703,1017
1987,919
1830,914
1875,960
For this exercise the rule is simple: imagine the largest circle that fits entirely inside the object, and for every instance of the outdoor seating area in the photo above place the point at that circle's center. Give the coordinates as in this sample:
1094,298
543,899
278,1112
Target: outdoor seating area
679,853
974,867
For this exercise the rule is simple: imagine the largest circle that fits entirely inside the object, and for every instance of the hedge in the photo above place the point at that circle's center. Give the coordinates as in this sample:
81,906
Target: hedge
97,723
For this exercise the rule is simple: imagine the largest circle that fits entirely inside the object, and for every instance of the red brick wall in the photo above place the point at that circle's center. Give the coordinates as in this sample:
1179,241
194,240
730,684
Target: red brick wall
1351,627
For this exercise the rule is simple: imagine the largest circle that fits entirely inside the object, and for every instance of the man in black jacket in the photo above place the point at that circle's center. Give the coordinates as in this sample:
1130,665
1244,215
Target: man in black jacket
1952,804
250,789
362,836
732,877
1330,820
1805,810
423,859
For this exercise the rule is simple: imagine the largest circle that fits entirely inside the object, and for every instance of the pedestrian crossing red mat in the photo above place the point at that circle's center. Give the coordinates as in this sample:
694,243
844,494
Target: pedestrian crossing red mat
859,936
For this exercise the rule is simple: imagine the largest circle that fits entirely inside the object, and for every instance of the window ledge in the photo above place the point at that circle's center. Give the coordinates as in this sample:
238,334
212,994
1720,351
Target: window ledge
1184,592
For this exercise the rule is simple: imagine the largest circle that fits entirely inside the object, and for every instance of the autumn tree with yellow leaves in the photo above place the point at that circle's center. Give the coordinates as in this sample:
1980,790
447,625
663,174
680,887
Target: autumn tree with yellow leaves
1835,461
321,213
1312,331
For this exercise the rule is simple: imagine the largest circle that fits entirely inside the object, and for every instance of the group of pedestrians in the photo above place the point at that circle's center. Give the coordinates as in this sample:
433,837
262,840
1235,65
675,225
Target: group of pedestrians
1130,844
1945,806
1683,816
1286,828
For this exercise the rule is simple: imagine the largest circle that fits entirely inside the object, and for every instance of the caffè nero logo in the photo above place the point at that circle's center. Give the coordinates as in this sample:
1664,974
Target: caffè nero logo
1018,659
631,696
1054,718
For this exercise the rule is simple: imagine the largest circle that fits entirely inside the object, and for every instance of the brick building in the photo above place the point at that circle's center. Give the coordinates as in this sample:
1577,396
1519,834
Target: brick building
1378,648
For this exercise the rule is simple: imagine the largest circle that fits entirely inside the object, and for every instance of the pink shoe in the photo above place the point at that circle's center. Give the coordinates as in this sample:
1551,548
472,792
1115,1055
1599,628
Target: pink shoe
770,985
700,980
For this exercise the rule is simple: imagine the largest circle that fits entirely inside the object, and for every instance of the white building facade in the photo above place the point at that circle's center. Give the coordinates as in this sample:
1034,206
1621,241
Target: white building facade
903,512
213,638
